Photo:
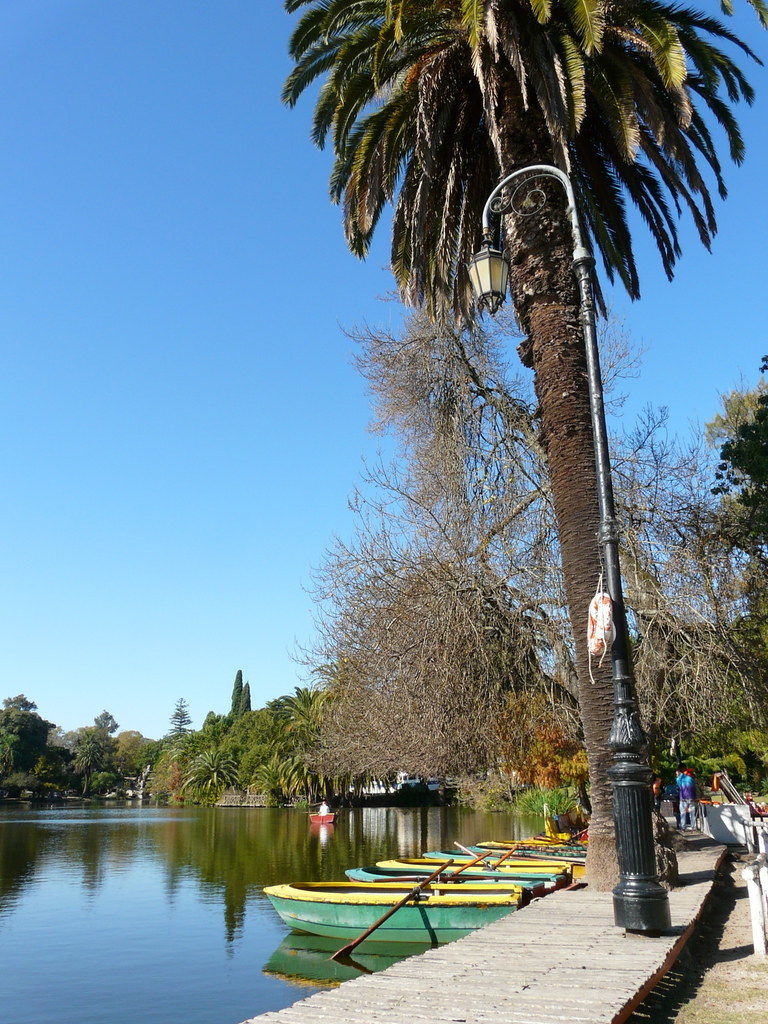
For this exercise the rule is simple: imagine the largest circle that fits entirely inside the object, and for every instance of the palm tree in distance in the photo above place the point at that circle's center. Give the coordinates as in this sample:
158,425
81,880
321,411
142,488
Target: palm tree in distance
428,103
304,708
210,773
89,755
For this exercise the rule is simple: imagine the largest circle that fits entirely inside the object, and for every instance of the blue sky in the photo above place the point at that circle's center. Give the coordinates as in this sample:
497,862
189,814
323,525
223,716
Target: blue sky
181,425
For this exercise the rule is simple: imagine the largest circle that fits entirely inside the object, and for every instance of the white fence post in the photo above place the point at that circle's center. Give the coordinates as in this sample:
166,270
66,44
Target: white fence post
756,877
762,869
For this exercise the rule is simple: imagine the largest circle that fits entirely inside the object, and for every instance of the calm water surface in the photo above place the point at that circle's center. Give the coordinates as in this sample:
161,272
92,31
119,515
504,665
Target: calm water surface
140,915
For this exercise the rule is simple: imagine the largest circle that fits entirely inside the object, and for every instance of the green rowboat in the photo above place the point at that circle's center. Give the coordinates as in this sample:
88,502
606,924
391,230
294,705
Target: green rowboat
344,910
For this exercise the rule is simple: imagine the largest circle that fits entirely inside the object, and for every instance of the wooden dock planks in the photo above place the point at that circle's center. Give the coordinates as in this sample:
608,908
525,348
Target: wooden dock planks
561,959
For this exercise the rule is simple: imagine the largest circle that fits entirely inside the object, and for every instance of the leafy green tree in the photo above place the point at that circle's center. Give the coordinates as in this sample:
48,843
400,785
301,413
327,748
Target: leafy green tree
15,782
738,408
215,726
106,723
52,769
172,757
130,752
23,734
105,726
180,719
252,739
149,753
167,776
296,745
743,470
19,703
104,782
428,104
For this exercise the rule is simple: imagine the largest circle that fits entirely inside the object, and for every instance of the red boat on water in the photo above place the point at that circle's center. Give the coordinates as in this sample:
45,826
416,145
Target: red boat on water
322,819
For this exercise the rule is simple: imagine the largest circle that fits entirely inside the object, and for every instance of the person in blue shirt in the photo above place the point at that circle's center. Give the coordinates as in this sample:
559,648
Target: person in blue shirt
686,788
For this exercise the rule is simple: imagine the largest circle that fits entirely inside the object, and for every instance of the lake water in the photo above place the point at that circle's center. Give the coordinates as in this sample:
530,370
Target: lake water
142,915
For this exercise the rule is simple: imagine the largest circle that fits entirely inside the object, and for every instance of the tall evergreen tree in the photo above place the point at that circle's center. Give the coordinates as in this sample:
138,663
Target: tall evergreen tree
237,695
180,719
245,699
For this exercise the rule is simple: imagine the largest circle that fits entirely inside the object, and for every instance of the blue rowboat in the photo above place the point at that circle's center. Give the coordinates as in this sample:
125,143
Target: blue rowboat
391,871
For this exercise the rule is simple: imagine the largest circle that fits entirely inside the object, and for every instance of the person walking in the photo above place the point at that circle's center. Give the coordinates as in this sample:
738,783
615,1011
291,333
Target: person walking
657,788
686,788
673,795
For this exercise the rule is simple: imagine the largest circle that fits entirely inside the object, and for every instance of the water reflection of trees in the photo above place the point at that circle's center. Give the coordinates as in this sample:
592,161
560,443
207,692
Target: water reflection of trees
230,854
20,847
41,842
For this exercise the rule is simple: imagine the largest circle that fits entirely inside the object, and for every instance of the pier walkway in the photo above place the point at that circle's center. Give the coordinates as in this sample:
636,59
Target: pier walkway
560,959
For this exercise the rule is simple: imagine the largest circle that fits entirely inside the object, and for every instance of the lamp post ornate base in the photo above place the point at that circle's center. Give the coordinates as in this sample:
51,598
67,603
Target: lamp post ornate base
640,902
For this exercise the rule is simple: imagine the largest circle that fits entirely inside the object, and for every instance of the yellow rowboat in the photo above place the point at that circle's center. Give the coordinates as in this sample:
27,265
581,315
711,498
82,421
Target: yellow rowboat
575,865
525,868
539,843
575,853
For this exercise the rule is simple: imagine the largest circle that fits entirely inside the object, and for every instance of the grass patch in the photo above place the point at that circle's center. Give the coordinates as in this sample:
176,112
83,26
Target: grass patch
539,800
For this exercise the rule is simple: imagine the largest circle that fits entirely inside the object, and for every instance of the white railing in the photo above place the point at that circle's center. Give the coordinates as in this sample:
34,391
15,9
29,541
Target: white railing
756,877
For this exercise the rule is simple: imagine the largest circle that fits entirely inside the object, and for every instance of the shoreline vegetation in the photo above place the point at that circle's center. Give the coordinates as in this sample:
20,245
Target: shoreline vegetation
272,752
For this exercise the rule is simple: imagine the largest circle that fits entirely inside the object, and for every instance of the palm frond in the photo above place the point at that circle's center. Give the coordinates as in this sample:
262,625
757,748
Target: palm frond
666,47
588,19
575,72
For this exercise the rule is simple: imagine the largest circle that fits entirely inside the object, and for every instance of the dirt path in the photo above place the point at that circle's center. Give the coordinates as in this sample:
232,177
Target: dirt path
717,980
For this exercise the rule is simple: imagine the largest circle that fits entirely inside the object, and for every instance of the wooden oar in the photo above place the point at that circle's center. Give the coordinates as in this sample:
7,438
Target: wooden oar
340,954
501,859
469,864
389,879
450,876
484,857
469,853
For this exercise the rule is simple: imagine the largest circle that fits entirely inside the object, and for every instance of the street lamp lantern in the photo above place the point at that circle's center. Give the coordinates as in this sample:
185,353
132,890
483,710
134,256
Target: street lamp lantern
489,273
640,902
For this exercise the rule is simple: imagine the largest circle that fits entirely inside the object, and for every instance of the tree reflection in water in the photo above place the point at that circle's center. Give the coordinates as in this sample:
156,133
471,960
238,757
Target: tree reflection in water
92,893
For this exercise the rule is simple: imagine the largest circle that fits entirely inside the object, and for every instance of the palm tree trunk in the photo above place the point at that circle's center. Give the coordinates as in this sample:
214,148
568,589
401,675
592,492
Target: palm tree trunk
545,297
558,360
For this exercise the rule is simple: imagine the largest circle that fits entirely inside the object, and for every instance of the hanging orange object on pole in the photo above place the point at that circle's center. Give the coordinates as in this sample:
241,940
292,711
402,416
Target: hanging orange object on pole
600,628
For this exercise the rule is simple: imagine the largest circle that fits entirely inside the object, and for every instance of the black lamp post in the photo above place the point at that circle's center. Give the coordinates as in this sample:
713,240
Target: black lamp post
640,902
